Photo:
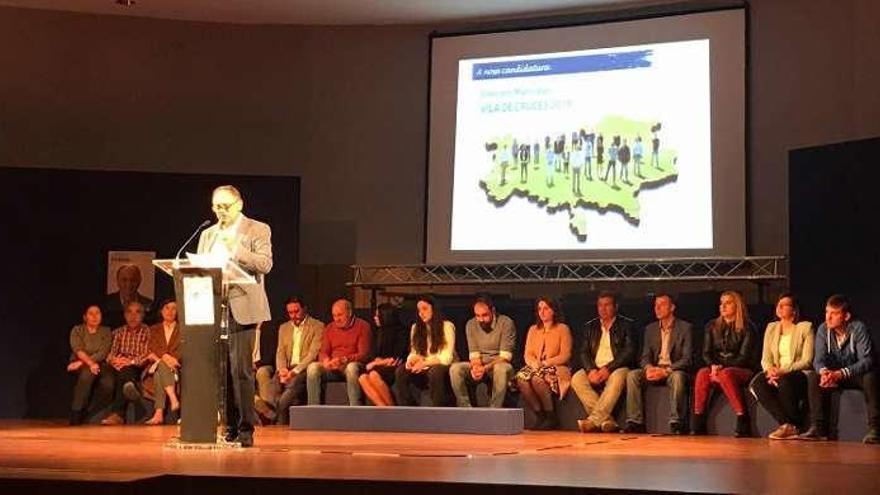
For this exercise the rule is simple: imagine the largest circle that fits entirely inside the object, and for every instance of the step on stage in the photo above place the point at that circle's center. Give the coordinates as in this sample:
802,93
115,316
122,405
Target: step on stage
41,457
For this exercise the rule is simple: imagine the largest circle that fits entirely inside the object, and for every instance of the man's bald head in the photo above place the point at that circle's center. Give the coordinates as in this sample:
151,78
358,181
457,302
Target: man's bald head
341,312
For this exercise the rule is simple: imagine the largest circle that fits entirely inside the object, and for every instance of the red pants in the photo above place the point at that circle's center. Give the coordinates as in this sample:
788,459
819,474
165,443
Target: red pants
732,382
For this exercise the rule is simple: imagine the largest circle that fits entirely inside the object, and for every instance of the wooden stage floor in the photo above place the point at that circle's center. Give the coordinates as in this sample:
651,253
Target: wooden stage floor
42,457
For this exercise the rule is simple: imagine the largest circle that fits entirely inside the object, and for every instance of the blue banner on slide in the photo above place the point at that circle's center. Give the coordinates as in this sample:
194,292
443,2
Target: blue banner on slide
562,65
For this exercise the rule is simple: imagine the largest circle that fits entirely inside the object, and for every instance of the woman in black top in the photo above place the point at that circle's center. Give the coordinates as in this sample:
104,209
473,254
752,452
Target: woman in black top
728,352
390,344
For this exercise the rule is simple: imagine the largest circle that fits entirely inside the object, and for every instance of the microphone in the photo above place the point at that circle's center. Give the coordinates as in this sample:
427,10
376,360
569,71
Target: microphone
198,229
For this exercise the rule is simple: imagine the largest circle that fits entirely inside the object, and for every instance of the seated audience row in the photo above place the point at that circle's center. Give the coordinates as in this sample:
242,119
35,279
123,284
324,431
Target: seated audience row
389,364
609,363
112,368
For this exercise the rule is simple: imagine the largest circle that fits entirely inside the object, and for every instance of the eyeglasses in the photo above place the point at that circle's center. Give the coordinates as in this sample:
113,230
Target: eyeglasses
223,206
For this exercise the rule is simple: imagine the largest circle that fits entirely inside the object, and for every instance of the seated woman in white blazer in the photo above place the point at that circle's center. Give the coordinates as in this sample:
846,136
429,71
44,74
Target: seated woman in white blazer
788,352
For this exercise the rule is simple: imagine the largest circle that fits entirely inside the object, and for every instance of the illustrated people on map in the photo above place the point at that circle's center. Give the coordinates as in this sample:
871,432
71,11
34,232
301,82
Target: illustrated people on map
577,160
524,157
550,167
612,162
566,153
536,154
491,154
505,162
655,146
588,155
600,153
638,153
559,150
623,154
546,373
566,163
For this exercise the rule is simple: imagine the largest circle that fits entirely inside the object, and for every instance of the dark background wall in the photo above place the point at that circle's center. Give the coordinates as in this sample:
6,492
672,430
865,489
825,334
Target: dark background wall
57,228
834,205
344,109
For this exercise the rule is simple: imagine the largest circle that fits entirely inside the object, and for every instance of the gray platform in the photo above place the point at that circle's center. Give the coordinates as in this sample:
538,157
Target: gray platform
477,420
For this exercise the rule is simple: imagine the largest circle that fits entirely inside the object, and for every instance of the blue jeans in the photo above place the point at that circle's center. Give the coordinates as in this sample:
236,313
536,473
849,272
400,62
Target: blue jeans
676,382
497,379
317,375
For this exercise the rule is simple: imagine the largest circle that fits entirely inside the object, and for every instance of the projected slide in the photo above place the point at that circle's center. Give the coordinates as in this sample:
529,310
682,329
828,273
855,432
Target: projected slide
583,150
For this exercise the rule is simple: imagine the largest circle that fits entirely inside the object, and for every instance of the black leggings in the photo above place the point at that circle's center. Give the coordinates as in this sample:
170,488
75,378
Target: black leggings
782,401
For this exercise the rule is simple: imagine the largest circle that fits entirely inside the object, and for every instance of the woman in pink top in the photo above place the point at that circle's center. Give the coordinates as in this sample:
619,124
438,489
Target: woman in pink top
547,351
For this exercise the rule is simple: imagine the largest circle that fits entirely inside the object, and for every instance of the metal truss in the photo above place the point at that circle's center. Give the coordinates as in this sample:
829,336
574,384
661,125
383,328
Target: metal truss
752,268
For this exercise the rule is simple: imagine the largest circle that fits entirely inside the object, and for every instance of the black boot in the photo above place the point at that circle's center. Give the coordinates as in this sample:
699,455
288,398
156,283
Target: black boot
743,426
698,424
540,419
231,434
551,422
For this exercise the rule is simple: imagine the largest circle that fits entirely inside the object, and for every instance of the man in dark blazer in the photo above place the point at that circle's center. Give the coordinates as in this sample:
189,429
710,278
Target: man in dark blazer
248,243
666,359
607,354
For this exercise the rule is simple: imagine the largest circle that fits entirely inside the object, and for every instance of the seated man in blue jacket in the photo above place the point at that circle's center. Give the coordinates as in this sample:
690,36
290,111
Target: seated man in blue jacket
843,359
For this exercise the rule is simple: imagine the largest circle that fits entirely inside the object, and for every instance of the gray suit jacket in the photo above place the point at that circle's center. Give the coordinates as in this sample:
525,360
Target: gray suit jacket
313,331
248,303
681,347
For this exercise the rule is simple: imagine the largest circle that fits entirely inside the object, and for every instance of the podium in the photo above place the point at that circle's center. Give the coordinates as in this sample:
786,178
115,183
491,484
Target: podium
200,288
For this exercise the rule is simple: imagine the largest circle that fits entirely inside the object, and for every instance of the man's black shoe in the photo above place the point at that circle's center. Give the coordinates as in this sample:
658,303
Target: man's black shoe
632,427
246,439
676,428
231,435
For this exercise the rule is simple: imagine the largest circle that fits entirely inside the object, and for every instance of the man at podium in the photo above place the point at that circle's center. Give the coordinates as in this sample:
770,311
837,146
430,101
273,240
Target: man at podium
248,243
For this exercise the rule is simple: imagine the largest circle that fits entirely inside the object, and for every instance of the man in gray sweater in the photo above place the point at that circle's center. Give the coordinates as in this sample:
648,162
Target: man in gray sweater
491,338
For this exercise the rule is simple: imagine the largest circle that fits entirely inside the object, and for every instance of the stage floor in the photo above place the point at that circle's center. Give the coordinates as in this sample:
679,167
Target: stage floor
42,456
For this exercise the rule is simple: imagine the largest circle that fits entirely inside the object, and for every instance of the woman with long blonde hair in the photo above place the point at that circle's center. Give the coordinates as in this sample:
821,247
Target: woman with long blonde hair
728,351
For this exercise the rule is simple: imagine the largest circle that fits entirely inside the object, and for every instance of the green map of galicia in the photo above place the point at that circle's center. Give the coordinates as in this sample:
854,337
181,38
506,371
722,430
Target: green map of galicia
567,171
